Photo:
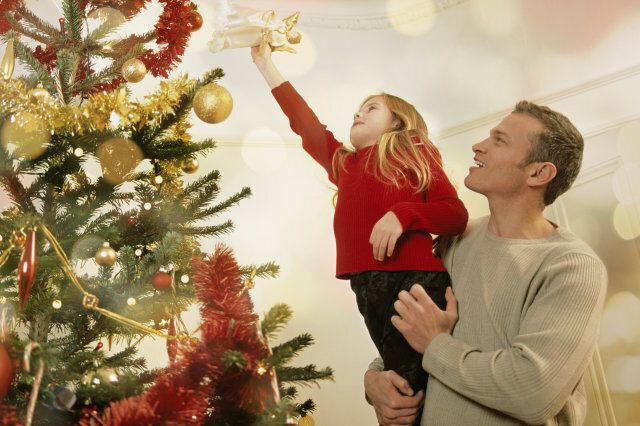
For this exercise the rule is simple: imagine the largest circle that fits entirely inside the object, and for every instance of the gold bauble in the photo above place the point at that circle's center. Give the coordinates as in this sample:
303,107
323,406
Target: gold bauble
212,103
39,92
8,61
134,70
27,133
106,256
306,421
190,166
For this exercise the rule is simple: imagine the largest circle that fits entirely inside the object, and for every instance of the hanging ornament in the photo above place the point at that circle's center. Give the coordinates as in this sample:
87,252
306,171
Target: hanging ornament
61,21
106,256
194,21
134,70
39,92
172,344
57,304
306,421
212,103
98,346
64,400
35,387
27,268
8,61
161,280
6,371
18,238
190,166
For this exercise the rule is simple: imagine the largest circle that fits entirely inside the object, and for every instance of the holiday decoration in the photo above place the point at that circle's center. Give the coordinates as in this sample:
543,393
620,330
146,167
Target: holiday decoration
134,70
161,280
52,134
7,64
106,256
251,28
190,166
195,21
212,103
27,268
306,421
6,371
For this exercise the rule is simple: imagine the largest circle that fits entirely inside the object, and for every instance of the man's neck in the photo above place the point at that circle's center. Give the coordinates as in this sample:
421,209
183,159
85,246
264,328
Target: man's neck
518,219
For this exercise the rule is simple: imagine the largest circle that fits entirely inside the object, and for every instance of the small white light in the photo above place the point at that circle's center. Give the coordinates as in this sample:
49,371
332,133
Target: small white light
158,180
147,206
138,252
113,377
78,152
184,279
56,304
95,381
3,300
131,301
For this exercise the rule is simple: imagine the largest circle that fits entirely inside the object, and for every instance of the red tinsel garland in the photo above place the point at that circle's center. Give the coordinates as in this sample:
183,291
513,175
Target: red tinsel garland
182,393
173,30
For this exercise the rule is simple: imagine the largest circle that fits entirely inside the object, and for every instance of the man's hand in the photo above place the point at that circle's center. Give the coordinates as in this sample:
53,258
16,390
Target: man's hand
420,320
384,235
392,398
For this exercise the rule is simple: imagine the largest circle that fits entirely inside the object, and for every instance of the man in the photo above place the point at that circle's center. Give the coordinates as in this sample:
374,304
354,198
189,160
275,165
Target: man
530,295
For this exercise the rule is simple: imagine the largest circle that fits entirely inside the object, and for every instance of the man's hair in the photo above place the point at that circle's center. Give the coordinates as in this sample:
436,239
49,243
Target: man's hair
559,143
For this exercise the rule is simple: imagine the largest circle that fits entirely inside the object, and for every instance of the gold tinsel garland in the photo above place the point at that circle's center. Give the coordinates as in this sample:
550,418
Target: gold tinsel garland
97,113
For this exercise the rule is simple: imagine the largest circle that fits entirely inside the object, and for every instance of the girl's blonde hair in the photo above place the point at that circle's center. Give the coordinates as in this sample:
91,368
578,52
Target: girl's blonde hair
403,153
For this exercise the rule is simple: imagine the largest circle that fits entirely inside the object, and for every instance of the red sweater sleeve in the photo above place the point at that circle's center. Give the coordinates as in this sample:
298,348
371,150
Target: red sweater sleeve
316,139
442,213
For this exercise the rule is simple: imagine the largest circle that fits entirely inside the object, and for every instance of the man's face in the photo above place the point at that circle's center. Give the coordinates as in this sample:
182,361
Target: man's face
498,169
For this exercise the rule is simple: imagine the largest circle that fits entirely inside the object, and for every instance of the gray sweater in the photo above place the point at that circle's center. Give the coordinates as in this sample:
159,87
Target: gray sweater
529,318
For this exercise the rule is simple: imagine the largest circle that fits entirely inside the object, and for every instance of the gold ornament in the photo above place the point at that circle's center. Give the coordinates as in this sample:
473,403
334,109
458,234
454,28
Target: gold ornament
106,256
39,92
8,61
190,166
134,70
27,133
306,421
212,103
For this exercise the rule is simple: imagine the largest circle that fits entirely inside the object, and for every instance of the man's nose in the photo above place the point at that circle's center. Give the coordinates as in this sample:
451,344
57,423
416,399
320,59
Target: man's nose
478,147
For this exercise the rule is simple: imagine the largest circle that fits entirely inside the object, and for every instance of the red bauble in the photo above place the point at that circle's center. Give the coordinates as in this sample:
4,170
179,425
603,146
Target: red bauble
6,372
131,220
195,21
161,280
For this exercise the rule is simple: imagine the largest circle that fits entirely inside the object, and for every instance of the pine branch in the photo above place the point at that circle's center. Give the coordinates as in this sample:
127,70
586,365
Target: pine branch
285,352
275,320
203,231
218,208
304,376
36,22
193,189
24,54
74,16
176,148
266,270
18,27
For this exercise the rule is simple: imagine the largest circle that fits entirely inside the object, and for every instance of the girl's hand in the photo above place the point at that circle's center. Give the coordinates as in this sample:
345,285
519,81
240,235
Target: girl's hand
261,55
384,236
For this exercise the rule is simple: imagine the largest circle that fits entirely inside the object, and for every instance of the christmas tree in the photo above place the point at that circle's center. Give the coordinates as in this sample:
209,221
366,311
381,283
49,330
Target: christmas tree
138,221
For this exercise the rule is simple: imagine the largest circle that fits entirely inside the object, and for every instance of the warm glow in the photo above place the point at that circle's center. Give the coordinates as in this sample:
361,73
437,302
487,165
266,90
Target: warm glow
302,61
625,184
118,158
626,220
24,135
620,320
263,150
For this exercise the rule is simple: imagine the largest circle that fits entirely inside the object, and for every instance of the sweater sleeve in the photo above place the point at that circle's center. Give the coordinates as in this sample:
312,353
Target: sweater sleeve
532,378
317,141
442,213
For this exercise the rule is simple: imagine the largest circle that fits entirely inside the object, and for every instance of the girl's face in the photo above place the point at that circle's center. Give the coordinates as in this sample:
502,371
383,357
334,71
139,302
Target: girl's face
372,120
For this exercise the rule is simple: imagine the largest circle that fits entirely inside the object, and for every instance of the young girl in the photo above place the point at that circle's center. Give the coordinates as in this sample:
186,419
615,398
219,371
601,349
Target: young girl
392,195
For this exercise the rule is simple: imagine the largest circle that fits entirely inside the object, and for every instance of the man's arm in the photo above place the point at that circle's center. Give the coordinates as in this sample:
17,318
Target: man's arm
392,398
531,378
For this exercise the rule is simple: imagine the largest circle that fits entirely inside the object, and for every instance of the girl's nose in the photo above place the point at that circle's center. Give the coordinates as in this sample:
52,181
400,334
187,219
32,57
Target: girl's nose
357,115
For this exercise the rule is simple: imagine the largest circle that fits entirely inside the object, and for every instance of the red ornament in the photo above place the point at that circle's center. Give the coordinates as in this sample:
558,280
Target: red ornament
131,220
172,344
195,21
27,268
61,21
98,346
6,372
161,280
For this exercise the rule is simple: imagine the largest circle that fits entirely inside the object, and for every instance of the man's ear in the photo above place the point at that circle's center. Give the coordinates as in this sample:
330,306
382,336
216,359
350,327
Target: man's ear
541,173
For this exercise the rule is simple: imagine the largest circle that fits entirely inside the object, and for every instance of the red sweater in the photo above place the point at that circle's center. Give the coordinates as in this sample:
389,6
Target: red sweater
363,200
